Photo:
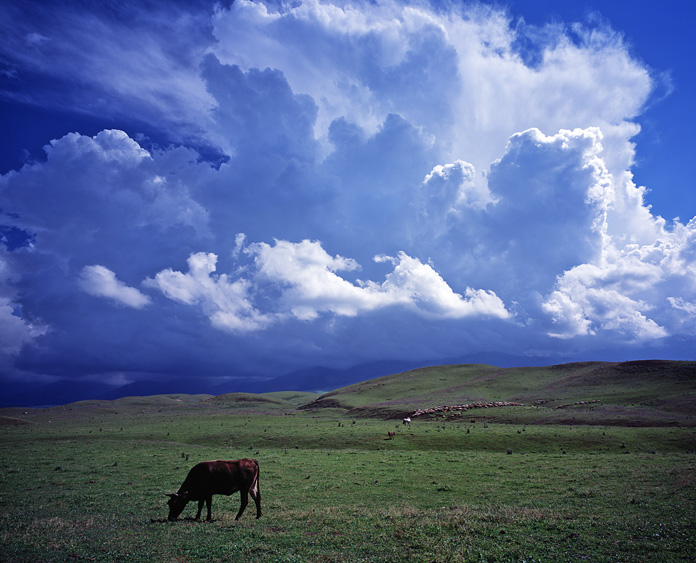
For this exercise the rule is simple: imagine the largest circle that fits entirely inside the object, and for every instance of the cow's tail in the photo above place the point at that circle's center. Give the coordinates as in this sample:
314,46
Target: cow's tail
255,483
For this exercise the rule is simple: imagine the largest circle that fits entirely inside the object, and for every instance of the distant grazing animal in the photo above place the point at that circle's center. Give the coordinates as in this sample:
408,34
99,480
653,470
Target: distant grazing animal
210,478
407,420
391,434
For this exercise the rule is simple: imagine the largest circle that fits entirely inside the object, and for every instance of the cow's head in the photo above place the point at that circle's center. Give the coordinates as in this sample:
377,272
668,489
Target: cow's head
176,503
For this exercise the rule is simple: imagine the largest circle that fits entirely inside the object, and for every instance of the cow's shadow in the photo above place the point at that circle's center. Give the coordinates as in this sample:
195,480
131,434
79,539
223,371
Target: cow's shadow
186,519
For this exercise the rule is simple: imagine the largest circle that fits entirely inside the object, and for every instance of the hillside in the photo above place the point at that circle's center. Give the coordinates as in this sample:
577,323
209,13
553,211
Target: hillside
311,379
640,393
635,393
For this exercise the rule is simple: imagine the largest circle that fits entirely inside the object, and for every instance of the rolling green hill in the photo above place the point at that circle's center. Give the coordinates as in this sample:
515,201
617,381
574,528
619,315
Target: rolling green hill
641,393
630,393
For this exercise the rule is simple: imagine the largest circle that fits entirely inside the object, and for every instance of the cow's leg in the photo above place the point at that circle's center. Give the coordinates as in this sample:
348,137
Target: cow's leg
200,509
256,495
244,500
209,505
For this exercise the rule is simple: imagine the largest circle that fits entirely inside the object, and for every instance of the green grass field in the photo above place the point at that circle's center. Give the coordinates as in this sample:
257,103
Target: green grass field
85,482
652,393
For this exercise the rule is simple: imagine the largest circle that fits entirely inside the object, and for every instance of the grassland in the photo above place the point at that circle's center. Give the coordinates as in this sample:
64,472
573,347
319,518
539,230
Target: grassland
85,481
645,393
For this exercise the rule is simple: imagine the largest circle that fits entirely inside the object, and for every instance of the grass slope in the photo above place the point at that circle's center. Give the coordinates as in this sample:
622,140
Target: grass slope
634,393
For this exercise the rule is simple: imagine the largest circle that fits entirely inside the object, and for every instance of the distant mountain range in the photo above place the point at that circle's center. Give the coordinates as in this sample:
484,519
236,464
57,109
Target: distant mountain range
315,378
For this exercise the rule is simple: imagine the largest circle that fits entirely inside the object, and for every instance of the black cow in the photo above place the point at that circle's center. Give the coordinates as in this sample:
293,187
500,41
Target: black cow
210,478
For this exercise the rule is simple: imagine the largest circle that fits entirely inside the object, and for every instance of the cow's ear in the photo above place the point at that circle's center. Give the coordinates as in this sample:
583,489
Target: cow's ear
170,495
185,495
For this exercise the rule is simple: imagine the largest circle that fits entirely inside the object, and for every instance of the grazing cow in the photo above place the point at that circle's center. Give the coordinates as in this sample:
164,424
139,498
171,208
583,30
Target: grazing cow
391,434
210,478
407,420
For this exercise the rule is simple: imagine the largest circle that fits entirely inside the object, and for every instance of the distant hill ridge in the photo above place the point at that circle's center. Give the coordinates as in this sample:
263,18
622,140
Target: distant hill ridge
360,387
317,378
648,392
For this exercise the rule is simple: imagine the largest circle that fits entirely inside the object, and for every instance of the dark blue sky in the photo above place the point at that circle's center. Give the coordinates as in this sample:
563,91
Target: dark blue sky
199,190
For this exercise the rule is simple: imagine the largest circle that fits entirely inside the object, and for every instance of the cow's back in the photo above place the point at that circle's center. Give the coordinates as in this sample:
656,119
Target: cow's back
219,478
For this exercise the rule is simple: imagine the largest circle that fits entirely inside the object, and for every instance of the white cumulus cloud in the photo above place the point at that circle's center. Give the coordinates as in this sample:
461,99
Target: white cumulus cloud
388,162
639,269
449,187
424,289
458,74
307,285
15,331
310,284
100,281
226,303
